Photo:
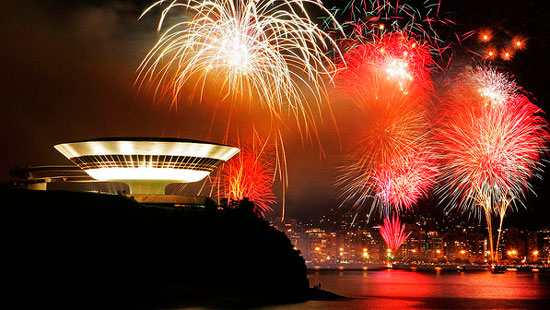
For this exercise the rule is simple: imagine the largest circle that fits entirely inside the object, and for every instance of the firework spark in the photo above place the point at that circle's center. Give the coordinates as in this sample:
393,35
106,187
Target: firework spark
499,44
394,62
420,20
250,175
393,233
265,51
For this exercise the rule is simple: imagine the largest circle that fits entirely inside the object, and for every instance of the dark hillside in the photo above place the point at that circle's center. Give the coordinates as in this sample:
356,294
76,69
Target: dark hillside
67,247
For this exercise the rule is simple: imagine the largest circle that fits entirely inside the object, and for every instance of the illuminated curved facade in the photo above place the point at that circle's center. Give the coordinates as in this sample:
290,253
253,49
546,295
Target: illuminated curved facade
147,165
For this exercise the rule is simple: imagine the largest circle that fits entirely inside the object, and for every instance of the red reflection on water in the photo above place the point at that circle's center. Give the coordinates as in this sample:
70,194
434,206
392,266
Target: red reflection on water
405,284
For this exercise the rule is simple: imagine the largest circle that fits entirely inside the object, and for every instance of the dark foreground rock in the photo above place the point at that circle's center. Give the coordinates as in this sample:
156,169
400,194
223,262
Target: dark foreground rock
86,249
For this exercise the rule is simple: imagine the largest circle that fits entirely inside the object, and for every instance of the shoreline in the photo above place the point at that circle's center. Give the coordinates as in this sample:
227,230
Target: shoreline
425,268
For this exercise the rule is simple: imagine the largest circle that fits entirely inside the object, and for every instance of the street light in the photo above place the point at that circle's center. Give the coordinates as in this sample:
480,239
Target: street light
462,251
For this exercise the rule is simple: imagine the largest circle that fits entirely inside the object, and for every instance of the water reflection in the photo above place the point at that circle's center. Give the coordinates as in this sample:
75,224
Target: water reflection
397,289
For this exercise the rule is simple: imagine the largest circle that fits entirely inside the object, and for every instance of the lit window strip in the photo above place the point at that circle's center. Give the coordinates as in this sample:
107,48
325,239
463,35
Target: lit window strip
140,161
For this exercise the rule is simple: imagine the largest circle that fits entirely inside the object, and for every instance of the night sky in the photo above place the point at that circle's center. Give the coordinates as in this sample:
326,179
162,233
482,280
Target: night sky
68,71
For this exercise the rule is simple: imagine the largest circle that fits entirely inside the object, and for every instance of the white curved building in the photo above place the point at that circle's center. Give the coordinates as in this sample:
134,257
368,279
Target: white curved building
147,165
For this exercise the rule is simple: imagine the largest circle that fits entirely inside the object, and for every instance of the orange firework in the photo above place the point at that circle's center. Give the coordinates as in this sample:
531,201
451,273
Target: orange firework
485,35
518,42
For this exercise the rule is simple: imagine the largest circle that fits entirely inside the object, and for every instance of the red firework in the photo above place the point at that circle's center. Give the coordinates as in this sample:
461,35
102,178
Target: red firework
390,64
393,233
491,139
249,174
393,161
386,75
406,180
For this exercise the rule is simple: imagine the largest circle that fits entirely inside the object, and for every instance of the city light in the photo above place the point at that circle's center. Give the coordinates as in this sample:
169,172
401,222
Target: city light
337,246
512,252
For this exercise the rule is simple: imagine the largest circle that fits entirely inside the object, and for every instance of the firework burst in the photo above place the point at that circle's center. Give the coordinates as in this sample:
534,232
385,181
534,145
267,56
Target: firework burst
265,51
393,233
385,73
263,60
406,180
250,174
393,63
393,164
491,138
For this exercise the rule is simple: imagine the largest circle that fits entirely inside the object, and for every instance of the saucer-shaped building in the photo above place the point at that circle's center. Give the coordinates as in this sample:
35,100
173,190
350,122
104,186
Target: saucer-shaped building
147,165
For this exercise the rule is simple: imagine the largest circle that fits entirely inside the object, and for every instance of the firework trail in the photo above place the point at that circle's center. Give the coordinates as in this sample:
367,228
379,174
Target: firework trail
418,20
491,138
393,233
249,175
